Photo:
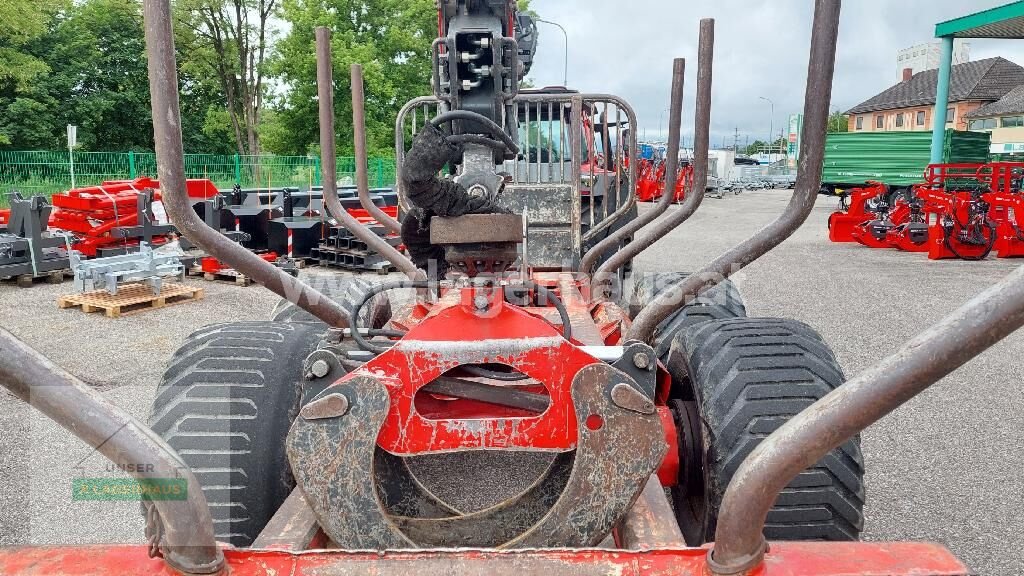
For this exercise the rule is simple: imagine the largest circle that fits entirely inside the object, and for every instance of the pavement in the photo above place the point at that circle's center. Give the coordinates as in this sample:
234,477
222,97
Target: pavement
942,468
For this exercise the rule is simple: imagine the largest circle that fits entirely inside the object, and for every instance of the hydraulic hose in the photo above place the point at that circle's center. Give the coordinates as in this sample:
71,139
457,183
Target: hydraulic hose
470,116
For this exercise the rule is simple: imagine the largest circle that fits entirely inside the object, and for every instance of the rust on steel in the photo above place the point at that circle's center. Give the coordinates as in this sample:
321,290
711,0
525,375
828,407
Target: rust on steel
187,541
701,140
675,119
818,95
739,543
292,527
329,162
362,167
476,229
650,524
163,87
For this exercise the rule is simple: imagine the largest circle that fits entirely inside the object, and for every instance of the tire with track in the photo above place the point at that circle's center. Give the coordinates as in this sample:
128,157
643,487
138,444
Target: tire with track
345,290
225,404
719,303
736,381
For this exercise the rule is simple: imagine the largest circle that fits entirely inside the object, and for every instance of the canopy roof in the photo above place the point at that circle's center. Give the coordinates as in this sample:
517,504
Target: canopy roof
1002,22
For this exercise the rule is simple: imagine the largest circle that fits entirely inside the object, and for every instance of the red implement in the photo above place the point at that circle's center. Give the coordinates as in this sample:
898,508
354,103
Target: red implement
843,223
782,559
211,265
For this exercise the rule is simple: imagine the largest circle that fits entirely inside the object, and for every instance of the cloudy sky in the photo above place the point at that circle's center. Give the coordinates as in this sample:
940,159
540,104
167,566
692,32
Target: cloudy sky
626,48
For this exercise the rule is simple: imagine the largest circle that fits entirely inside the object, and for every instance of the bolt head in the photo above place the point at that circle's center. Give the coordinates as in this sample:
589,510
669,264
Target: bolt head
481,303
320,368
642,360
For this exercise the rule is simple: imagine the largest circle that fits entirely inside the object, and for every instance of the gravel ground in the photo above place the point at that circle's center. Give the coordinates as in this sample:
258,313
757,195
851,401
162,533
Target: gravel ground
942,468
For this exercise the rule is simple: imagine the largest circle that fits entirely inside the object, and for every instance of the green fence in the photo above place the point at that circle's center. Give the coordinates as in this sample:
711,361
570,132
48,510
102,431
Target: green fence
49,172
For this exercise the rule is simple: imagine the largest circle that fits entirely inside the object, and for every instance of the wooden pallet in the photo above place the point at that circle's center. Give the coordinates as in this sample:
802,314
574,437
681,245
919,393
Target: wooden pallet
130,298
27,280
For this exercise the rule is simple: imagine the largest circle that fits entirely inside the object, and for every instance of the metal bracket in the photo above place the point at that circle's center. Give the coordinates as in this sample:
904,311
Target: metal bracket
144,266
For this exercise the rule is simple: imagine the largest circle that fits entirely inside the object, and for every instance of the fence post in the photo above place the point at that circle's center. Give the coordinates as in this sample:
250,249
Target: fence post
316,168
131,165
238,170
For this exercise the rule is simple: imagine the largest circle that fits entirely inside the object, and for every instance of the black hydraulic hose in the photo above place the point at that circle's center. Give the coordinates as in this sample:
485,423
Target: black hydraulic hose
989,243
365,344
373,291
491,125
497,145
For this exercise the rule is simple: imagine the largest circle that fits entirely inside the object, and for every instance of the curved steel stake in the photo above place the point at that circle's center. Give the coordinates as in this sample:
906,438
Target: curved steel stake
816,102
329,162
671,168
701,143
163,88
187,540
362,166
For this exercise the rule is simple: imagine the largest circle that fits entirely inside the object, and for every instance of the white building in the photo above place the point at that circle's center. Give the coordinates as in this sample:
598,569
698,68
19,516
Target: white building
926,57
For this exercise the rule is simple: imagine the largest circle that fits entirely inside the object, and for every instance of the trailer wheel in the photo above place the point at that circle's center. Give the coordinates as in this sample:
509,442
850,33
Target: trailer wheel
735,382
225,404
345,290
721,302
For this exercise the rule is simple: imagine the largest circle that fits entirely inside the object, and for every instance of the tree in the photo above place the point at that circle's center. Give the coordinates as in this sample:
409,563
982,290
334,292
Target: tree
22,24
99,76
24,21
390,38
230,41
838,122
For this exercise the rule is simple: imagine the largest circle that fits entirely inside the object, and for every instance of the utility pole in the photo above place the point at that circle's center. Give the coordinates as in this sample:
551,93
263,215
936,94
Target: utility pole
565,77
771,122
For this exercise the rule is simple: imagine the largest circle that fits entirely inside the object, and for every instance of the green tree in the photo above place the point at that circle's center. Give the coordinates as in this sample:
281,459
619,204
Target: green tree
23,110
838,122
390,38
99,78
21,22
755,147
223,47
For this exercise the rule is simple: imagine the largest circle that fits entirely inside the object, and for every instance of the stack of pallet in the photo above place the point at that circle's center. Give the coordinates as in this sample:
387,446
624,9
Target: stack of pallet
342,249
93,213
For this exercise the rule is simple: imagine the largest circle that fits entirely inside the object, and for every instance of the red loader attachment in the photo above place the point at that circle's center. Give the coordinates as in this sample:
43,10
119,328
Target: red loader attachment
105,215
651,181
960,211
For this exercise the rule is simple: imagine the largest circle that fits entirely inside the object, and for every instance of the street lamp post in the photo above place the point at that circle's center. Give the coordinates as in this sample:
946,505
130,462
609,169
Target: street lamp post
771,123
565,77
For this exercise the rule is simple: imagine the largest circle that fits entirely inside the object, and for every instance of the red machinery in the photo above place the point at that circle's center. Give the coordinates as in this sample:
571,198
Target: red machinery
649,174
859,207
960,211
103,216
651,181
970,209
211,265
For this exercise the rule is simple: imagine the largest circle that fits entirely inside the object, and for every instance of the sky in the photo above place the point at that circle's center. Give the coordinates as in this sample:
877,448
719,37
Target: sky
626,48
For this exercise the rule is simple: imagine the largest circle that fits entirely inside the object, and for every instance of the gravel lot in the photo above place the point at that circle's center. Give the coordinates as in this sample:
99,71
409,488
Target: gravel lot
942,468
